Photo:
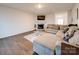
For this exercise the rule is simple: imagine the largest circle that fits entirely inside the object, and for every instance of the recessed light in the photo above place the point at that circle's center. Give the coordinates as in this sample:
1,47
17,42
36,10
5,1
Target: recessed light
39,6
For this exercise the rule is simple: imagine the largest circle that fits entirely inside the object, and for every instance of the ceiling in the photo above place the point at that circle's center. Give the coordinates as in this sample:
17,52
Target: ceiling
44,8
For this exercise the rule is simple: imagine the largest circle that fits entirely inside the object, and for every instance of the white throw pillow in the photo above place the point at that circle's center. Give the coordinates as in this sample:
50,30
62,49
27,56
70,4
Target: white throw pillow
75,39
60,34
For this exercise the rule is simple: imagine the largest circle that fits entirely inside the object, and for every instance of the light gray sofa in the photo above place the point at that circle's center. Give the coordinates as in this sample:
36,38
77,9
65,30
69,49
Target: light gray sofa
50,44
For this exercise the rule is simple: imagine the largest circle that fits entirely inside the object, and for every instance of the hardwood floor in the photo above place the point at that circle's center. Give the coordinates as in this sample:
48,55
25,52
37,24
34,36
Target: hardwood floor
16,45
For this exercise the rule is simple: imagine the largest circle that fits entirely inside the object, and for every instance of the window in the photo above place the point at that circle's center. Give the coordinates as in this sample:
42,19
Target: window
59,19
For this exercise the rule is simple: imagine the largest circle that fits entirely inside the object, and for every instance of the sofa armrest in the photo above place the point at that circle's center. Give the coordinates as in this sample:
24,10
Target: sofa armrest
67,49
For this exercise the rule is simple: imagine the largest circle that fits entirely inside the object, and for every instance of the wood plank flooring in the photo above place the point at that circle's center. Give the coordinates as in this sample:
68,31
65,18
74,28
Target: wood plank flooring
16,45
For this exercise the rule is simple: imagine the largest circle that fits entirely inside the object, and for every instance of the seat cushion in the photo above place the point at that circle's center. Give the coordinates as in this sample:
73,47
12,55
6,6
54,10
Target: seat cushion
53,31
53,26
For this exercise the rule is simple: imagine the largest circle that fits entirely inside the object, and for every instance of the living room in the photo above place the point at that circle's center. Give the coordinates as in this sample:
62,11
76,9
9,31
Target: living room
23,23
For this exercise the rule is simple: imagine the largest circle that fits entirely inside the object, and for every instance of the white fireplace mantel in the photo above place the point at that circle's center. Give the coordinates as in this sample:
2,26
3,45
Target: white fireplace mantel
40,22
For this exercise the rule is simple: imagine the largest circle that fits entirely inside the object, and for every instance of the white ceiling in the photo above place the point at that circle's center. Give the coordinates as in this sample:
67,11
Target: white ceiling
46,8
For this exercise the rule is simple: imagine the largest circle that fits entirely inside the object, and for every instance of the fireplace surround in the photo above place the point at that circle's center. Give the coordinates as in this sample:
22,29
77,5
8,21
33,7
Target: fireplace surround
40,26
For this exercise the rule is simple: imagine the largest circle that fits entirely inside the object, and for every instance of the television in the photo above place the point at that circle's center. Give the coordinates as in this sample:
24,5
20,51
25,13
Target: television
40,17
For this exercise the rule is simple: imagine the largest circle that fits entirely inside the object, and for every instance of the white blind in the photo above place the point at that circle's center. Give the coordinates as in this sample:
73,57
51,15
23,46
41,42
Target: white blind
59,21
60,18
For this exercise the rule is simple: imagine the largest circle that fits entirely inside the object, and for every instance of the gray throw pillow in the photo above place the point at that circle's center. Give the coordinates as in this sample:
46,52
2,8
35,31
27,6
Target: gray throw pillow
65,30
68,35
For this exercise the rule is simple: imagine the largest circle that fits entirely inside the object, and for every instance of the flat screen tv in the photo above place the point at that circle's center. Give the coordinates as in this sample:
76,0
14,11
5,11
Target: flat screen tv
41,17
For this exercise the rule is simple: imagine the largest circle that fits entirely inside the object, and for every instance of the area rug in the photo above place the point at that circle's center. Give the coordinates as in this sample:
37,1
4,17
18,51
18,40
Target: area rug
33,36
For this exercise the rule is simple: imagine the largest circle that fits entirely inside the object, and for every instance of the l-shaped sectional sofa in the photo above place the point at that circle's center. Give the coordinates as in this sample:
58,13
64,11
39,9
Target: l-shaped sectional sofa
53,43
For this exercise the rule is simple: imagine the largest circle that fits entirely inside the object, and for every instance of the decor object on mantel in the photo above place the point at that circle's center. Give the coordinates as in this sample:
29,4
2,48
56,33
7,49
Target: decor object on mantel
40,17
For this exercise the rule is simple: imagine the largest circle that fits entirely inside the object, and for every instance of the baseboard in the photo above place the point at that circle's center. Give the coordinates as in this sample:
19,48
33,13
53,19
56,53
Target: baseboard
19,34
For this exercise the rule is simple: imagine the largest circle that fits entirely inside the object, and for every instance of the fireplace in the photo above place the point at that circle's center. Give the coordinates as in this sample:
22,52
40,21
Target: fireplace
40,26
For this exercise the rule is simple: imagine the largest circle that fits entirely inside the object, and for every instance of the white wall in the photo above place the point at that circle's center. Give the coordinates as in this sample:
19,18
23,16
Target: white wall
74,14
64,15
50,19
13,21
69,14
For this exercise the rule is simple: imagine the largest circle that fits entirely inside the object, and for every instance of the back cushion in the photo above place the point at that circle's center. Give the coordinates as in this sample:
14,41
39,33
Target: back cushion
62,27
52,26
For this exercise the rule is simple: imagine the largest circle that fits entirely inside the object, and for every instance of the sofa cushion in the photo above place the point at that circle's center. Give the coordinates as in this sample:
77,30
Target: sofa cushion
55,26
53,31
52,26
62,27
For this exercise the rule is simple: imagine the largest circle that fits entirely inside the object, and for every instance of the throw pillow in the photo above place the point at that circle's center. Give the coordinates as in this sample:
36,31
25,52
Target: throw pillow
65,30
60,34
69,34
75,39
